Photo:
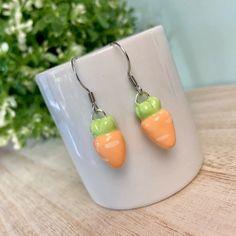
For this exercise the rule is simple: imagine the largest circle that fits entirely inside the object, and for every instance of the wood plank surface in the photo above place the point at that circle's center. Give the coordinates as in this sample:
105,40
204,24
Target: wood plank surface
41,193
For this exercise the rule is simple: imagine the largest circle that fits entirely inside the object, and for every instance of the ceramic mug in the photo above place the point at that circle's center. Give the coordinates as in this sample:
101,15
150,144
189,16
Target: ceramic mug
149,174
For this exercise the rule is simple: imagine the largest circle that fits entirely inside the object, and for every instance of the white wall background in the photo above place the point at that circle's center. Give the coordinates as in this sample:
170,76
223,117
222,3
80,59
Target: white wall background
201,33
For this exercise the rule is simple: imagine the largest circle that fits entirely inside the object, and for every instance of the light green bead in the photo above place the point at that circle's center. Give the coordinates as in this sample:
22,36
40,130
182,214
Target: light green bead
147,108
103,125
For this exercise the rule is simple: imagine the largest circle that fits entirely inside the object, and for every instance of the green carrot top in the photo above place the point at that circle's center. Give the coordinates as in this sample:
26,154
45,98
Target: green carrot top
148,107
103,125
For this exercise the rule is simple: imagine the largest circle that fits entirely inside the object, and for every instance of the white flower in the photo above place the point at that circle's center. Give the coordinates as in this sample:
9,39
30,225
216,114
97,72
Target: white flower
21,40
30,50
11,101
4,47
6,109
24,131
58,50
28,25
54,6
2,118
76,49
77,11
38,3
16,25
3,140
97,3
37,117
46,131
80,9
6,8
28,5
18,16
112,4
16,142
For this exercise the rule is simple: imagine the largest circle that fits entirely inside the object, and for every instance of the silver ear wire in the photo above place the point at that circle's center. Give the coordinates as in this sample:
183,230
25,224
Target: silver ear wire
91,96
129,71
126,55
73,61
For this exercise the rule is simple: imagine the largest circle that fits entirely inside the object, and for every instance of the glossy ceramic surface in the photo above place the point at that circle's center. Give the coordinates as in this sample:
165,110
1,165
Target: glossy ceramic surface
149,173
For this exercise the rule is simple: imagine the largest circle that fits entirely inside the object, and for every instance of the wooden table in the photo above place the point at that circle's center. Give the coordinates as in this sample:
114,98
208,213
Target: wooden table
41,193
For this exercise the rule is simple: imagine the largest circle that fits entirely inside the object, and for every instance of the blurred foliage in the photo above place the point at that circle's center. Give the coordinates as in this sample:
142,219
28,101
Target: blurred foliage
36,35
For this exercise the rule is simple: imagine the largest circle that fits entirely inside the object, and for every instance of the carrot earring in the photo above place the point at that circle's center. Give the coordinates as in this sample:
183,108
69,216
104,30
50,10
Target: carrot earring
108,140
156,122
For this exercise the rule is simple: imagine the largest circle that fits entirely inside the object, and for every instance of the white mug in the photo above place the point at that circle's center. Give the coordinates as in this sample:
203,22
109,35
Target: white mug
149,173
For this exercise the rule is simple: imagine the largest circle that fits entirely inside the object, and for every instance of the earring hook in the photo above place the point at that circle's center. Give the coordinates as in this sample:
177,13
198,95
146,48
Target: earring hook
129,72
96,109
73,61
126,55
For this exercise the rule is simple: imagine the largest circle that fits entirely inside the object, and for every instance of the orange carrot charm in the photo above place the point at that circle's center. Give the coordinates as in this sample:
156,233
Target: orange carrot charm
109,141
156,122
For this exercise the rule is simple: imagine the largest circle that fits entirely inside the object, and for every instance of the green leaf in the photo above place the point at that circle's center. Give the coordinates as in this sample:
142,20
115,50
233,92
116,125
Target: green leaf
103,125
148,107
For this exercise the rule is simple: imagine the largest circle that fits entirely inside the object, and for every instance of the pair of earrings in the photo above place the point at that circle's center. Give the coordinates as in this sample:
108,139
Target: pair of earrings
156,122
